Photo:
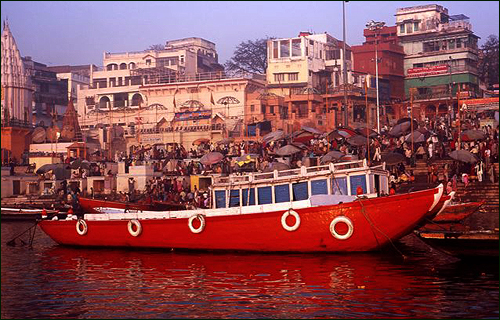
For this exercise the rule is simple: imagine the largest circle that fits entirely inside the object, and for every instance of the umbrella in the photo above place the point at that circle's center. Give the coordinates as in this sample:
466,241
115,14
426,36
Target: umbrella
334,135
273,136
471,135
311,130
357,140
303,136
60,170
403,120
287,150
332,156
392,158
345,132
417,137
399,129
276,166
464,156
349,157
211,158
79,163
226,141
200,141
366,132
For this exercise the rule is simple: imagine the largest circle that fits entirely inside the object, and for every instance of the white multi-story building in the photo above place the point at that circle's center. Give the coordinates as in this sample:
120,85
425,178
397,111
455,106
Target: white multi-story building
178,94
309,60
116,84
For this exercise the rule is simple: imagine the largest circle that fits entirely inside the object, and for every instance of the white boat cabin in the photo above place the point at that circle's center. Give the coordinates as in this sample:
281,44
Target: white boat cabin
299,184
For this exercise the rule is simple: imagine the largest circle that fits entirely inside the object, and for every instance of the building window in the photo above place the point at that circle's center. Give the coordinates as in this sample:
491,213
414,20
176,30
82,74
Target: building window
271,109
148,62
278,77
263,109
182,59
415,26
409,28
252,108
275,49
451,44
402,28
293,76
284,48
296,51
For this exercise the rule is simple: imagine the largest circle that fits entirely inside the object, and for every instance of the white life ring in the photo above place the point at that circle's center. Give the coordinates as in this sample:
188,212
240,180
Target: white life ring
81,223
345,220
297,220
138,227
202,223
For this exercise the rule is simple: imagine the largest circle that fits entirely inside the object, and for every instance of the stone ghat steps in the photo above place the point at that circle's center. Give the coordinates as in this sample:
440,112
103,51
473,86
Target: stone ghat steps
480,191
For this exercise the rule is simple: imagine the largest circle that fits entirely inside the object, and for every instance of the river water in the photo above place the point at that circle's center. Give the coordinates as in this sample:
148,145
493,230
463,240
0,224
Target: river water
409,280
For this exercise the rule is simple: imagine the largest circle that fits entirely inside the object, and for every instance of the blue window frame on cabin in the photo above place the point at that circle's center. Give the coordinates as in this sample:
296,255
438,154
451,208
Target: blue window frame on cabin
245,198
319,187
282,193
300,191
220,198
358,181
265,195
339,186
234,198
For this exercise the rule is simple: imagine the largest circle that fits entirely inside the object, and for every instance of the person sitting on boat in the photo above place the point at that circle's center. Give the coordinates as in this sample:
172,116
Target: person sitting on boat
392,191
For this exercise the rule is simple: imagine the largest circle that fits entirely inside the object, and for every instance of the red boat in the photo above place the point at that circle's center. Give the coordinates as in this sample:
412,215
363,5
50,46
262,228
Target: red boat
247,215
99,205
457,212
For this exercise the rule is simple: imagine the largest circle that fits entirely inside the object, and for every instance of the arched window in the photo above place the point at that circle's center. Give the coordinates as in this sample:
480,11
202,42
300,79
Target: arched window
131,65
112,66
123,66
104,103
136,99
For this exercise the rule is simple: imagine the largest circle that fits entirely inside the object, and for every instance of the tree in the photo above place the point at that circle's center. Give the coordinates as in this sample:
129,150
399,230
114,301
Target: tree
488,61
156,47
249,56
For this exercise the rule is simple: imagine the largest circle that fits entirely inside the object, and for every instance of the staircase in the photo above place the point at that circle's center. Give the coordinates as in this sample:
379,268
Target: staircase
487,216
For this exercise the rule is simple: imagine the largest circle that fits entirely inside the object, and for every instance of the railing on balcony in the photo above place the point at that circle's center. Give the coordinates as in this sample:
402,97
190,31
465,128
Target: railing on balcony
6,123
191,128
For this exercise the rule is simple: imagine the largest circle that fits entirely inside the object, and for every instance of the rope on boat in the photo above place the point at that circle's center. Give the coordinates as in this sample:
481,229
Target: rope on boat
31,237
374,226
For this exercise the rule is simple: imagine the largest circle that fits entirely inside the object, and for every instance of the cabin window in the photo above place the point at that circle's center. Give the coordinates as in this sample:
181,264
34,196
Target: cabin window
220,199
265,195
319,187
339,186
248,201
282,193
358,181
234,198
300,191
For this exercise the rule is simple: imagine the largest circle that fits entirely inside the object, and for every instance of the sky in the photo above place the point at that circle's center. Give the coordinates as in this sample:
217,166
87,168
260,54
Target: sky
78,32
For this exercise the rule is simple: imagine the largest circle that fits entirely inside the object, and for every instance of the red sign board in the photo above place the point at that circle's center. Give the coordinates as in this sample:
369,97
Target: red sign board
427,71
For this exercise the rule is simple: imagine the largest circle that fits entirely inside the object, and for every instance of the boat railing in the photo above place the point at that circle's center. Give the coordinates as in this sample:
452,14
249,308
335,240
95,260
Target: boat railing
294,173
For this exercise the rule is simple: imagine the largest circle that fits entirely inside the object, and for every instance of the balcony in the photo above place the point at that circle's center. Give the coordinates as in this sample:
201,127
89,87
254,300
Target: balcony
9,123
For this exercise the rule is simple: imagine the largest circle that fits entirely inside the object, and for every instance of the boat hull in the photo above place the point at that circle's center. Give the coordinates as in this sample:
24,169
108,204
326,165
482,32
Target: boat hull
375,223
463,244
457,212
92,205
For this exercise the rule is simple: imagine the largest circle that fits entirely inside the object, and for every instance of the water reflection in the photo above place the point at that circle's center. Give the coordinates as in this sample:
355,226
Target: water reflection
53,281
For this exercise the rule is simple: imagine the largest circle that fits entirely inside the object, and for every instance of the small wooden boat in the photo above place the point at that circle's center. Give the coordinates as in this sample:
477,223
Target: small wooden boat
95,205
26,214
457,212
463,244
309,209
